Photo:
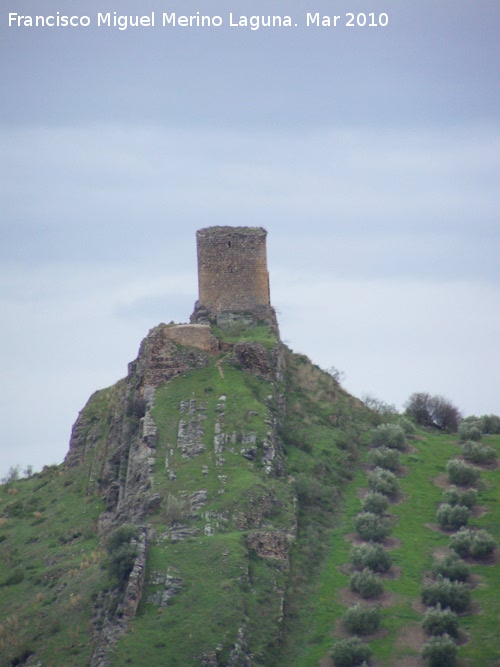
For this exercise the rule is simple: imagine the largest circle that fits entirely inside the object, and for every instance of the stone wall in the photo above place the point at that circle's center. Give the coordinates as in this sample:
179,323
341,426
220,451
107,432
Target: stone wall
192,335
160,358
232,269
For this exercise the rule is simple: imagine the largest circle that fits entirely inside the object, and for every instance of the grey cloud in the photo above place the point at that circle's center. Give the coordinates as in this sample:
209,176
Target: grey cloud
413,72
370,156
405,203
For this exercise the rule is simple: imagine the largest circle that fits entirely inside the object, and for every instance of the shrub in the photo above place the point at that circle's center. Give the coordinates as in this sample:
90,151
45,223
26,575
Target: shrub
452,517
388,435
474,544
137,407
383,411
15,577
383,457
417,408
477,453
310,491
452,594
367,584
12,476
378,405
483,544
121,536
383,481
461,473
174,510
433,411
440,652
375,502
371,556
454,496
461,543
469,431
451,567
362,620
121,562
438,621
350,652
490,424
371,527
407,425
444,414
121,552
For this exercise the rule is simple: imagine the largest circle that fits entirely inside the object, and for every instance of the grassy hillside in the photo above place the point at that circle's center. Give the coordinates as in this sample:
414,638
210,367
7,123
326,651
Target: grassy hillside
222,588
417,538
50,568
249,538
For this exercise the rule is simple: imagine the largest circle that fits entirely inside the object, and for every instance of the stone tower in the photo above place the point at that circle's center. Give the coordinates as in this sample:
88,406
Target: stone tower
232,275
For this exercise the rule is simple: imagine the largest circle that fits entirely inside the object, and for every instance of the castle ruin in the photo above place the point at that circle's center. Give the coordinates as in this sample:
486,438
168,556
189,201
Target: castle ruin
233,279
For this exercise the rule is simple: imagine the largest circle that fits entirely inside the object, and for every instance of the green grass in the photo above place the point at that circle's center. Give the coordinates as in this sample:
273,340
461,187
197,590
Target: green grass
211,569
419,500
238,332
48,531
484,648
225,588
50,535
323,434
245,412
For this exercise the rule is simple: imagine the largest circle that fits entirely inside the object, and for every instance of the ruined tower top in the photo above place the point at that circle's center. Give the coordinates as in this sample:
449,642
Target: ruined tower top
232,273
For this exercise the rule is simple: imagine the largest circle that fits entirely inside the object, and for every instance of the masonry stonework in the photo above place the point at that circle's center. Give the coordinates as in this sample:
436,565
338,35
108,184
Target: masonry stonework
192,335
232,271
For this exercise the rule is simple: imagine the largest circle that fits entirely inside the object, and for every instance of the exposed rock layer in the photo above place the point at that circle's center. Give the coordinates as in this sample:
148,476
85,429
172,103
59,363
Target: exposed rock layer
122,456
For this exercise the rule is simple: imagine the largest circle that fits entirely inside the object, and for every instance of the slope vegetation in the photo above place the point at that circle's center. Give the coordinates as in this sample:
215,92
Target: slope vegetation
206,513
180,523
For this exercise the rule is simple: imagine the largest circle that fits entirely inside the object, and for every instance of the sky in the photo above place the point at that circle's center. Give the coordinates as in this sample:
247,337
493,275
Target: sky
370,154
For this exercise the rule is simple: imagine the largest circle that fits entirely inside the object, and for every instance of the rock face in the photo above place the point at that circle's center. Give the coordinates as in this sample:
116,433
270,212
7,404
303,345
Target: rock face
270,543
191,431
115,625
116,439
256,359
168,351
122,460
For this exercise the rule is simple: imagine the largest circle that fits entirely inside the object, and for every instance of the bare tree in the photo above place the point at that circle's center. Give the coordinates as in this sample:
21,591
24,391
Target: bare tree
433,411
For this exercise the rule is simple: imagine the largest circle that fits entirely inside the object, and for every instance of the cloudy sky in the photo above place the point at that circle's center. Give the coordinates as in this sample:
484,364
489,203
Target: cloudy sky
370,154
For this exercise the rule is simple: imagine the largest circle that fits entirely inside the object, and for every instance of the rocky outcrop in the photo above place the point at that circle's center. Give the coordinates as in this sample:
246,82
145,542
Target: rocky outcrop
227,319
115,439
168,351
191,429
254,358
169,584
120,458
114,624
240,655
270,543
